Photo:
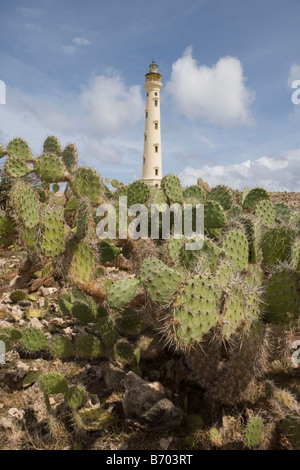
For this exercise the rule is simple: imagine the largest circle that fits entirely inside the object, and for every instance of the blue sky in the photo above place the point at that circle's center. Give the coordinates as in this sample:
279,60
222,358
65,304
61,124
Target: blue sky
76,70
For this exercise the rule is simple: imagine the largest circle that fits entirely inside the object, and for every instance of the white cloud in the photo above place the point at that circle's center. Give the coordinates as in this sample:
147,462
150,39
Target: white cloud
217,95
108,106
274,173
294,74
81,41
105,107
68,49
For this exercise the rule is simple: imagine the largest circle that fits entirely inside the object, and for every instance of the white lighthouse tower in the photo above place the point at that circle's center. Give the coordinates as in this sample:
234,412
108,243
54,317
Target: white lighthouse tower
152,171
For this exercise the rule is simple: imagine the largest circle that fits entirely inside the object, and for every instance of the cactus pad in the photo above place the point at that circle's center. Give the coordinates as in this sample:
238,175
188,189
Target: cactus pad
264,209
138,193
52,383
253,196
86,182
277,245
194,192
236,250
193,312
16,167
281,299
50,168
70,157
53,241
172,188
19,148
122,292
254,431
222,195
75,397
52,146
61,347
214,215
33,339
89,347
162,283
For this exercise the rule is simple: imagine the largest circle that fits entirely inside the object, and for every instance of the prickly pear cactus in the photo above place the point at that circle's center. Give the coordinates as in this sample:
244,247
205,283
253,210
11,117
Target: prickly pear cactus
86,182
3,151
193,313
52,383
33,339
89,347
138,192
53,239
214,215
85,311
254,431
281,298
48,167
52,146
122,292
162,283
172,188
25,203
264,209
282,212
223,195
16,167
236,249
61,347
194,192
277,245
70,157
75,397
253,196
19,148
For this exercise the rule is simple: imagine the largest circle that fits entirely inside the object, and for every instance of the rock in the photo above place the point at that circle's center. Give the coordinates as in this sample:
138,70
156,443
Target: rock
57,321
164,415
68,332
13,281
41,302
21,371
113,377
35,322
47,291
16,313
16,413
146,403
164,443
24,303
5,324
50,282
35,285
5,298
11,356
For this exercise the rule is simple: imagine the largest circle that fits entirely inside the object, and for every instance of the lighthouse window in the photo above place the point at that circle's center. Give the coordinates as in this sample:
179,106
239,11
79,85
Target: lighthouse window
155,94
146,114
155,102
145,137
156,148
156,125
156,171
144,160
147,94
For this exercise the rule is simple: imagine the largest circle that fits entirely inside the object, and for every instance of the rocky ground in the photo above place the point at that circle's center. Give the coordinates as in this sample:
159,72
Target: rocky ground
160,408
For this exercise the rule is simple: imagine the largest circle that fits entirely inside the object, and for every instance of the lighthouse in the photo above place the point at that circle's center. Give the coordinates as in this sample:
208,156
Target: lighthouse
152,171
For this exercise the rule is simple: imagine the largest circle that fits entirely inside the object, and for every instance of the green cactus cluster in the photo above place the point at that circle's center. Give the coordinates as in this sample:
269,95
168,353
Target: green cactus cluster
220,306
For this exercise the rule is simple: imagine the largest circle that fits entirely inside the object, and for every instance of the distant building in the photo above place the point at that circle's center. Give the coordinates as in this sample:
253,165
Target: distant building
152,169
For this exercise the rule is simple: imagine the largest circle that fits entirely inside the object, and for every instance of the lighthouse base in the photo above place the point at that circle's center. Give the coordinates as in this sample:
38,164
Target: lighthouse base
152,182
